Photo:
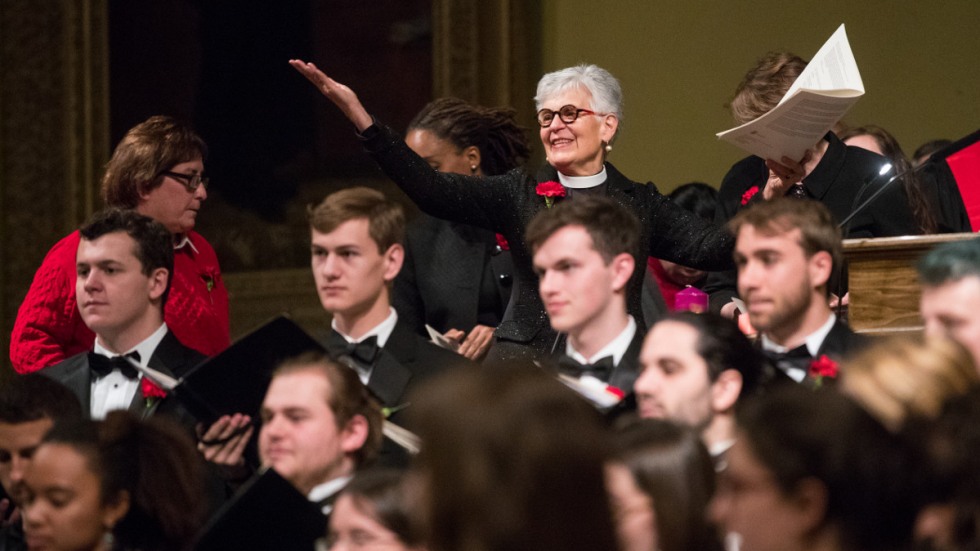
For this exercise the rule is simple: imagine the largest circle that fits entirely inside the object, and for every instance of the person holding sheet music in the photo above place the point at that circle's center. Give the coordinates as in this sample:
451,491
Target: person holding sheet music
579,110
831,172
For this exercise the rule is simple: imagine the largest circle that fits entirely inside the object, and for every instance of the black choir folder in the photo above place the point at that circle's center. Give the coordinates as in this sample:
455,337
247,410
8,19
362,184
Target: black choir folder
267,513
235,381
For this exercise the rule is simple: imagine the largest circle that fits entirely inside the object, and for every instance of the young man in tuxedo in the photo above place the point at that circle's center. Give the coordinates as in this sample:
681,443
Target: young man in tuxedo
583,255
785,254
950,303
356,251
124,262
695,369
319,425
29,407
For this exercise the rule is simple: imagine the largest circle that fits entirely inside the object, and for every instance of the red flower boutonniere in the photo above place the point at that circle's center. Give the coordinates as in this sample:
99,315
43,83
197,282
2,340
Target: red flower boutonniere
822,367
549,190
749,194
502,242
151,392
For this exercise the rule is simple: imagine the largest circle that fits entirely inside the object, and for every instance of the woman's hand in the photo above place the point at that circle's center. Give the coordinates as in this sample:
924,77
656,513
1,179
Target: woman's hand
784,175
342,96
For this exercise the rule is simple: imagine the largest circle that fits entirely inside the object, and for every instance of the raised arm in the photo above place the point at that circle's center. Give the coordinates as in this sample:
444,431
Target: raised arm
343,97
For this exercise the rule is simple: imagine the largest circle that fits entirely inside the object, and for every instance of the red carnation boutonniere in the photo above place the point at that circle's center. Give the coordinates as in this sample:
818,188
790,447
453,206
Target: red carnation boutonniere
502,242
749,194
550,190
822,367
151,392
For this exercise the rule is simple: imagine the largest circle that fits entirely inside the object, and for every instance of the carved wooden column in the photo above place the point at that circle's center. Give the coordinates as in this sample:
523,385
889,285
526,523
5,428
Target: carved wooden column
487,52
53,134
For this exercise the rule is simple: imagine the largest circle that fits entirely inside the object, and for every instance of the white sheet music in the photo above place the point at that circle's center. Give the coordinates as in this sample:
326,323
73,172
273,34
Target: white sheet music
820,96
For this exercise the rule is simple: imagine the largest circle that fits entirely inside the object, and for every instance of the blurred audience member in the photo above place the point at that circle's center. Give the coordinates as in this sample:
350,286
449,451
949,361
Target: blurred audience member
512,461
116,484
950,303
810,470
372,514
899,378
660,481
696,367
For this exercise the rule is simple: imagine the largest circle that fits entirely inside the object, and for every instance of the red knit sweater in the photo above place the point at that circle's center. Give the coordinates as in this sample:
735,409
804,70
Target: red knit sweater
49,328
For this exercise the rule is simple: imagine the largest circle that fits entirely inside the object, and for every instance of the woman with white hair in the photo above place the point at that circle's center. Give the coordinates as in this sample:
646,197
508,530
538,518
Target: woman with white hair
579,111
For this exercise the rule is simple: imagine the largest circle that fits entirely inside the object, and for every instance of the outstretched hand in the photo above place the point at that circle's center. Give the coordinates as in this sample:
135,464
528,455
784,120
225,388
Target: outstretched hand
342,96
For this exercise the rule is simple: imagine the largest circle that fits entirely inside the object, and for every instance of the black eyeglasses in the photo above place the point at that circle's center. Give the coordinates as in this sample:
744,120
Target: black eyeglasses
568,114
189,181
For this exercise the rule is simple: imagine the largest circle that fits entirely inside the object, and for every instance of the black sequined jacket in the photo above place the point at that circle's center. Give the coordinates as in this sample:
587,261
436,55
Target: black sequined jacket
507,203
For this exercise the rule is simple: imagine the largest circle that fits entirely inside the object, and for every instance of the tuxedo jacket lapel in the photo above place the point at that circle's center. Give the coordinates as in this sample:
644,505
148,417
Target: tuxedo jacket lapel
391,374
75,374
628,369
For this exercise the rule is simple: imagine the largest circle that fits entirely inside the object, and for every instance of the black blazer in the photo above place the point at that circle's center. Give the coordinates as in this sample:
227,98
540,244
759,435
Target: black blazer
406,361
170,357
450,270
507,203
842,342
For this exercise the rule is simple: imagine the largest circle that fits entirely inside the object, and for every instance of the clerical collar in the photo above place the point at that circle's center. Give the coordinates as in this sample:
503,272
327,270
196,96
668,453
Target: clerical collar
382,330
183,240
813,341
616,347
145,349
583,182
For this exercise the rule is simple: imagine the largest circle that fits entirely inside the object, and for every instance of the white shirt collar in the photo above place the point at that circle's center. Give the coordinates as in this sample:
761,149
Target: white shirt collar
382,330
145,349
616,347
583,182
813,341
185,240
328,489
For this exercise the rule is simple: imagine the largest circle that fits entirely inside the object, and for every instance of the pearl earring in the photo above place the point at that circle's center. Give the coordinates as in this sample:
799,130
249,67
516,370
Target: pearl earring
608,148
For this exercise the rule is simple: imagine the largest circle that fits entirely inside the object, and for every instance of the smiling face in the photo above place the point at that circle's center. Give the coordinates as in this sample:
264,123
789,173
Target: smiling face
581,291
577,149
115,298
300,438
352,276
64,509
171,203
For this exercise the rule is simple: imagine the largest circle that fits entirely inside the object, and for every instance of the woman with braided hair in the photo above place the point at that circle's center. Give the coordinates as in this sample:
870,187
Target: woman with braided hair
457,278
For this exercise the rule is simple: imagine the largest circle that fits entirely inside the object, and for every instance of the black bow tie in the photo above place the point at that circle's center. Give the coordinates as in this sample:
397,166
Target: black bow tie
364,352
104,365
797,358
601,369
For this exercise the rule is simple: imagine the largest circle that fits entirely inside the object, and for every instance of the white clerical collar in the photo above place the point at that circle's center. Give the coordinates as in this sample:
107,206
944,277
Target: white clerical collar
328,489
145,349
583,182
616,347
184,240
813,341
382,330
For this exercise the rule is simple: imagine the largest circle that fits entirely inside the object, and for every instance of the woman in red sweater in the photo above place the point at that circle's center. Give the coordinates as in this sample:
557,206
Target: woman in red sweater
157,169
